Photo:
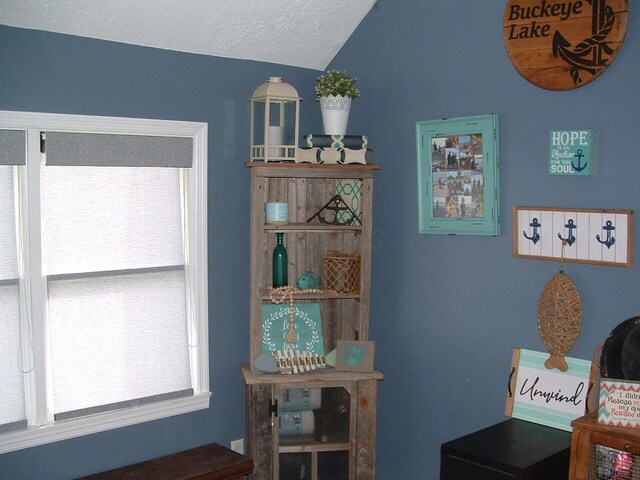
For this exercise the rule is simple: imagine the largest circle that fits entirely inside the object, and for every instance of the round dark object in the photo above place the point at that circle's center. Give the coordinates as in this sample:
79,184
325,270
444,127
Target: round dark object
620,358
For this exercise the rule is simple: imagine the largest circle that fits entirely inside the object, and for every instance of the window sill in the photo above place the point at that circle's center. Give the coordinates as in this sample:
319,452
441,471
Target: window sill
77,427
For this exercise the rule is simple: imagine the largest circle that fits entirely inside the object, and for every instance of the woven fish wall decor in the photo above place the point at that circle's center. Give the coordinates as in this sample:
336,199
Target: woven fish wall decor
559,319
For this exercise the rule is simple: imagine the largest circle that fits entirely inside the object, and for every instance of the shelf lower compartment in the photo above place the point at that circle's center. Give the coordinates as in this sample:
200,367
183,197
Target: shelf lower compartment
307,444
342,445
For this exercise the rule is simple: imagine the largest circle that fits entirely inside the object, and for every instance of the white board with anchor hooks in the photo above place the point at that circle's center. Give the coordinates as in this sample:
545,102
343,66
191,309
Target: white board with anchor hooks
602,237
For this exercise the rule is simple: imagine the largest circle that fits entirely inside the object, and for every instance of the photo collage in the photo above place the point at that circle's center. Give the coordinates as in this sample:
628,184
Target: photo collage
458,179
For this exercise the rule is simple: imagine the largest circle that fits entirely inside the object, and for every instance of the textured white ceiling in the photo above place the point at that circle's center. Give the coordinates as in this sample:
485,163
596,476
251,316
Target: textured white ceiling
302,33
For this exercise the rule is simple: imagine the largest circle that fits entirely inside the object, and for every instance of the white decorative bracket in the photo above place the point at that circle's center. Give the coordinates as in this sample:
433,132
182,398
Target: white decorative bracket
602,237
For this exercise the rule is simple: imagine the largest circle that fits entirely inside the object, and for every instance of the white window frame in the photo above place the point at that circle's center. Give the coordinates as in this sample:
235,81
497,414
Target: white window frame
42,429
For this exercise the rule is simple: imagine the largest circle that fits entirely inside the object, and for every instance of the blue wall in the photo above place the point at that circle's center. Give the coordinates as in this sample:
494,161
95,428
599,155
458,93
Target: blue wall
446,311
45,72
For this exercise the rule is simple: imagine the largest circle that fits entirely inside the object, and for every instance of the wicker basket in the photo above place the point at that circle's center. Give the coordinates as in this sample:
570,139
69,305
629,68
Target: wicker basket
341,272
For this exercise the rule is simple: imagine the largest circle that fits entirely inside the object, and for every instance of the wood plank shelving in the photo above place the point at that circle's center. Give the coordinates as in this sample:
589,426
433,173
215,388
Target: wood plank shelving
350,453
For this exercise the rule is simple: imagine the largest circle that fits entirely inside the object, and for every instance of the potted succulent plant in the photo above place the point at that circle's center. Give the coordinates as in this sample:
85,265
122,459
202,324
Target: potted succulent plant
334,91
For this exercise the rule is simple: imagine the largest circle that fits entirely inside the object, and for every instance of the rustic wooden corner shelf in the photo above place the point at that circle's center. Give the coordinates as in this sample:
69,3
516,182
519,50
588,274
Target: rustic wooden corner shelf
346,450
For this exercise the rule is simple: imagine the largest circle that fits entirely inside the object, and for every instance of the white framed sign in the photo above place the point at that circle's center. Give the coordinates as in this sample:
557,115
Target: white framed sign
577,235
547,397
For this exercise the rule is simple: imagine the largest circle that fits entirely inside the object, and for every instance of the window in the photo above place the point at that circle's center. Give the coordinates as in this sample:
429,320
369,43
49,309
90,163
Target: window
103,274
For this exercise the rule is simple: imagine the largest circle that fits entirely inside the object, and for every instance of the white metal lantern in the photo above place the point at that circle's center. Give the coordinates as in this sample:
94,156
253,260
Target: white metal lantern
275,109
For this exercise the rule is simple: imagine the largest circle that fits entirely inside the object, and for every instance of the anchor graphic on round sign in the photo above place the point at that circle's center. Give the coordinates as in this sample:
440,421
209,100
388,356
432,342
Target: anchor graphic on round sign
580,167
593,54
608,227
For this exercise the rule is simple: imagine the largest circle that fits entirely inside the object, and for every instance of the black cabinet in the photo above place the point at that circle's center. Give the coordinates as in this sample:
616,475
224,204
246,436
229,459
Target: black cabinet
510,450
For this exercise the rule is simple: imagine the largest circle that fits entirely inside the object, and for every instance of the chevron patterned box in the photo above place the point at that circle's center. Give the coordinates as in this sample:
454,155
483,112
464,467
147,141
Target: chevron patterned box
619,403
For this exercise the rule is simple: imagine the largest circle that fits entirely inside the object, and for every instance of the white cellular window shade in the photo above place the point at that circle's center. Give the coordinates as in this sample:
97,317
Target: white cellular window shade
12,398
103,274
8,241
12,413
117,317
110,218
117,341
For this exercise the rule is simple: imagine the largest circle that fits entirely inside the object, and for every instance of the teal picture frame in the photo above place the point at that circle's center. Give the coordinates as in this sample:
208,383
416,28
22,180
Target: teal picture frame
459,176
354,356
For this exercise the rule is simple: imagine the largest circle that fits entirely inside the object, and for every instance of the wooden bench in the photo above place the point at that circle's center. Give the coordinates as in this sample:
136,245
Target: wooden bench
210,462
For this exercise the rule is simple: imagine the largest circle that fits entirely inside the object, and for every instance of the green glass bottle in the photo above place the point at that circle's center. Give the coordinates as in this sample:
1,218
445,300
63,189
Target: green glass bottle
280,261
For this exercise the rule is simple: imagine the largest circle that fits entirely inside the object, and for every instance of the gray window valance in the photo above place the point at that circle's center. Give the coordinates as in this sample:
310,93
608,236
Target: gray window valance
13,149
107,150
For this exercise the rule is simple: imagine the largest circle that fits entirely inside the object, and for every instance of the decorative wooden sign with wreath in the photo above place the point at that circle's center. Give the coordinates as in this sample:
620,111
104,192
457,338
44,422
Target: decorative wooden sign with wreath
564,44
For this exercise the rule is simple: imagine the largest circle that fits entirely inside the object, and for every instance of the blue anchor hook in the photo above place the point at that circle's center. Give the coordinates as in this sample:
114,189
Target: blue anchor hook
608,227
536,236
571,238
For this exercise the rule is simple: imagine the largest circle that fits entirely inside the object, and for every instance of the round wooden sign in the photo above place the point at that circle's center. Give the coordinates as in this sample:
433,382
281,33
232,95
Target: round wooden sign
564,44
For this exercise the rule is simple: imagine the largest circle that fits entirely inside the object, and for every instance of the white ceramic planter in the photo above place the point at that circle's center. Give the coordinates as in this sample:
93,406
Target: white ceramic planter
335,114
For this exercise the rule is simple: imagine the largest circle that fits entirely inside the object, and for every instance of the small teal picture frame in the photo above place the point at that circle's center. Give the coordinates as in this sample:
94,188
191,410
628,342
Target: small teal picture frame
354,356
458,176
